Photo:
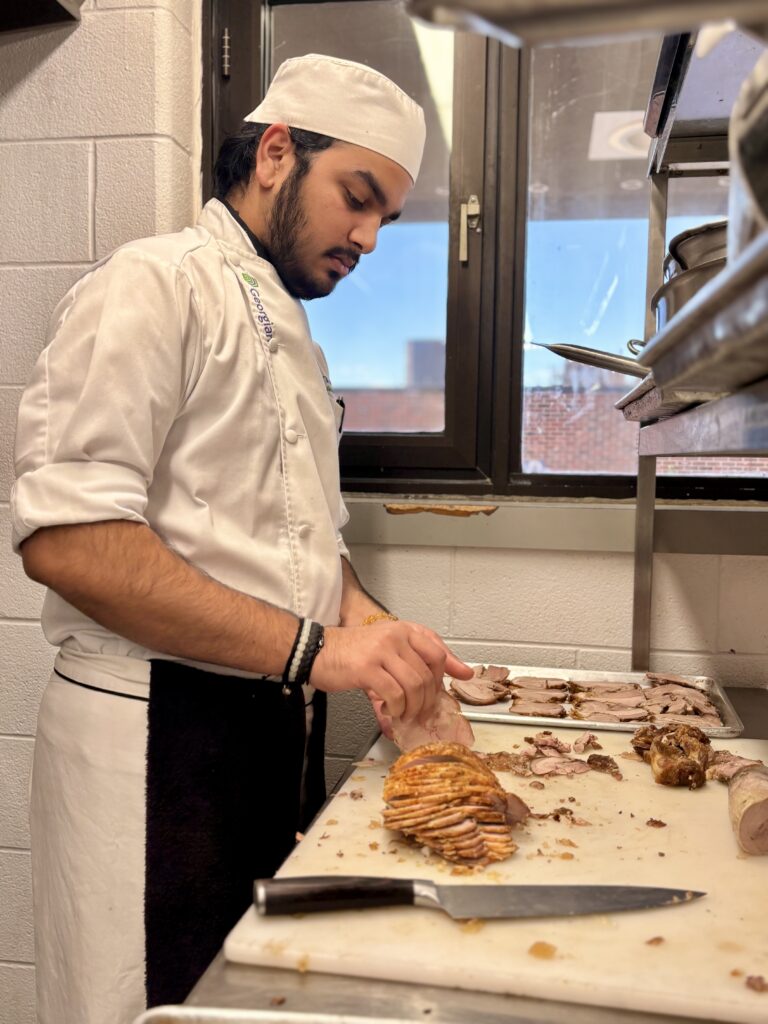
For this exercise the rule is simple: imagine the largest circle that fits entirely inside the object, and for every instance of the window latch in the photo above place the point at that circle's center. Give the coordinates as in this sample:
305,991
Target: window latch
469,217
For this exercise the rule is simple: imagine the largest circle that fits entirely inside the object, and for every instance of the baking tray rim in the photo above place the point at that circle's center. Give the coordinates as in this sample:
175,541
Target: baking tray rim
732,725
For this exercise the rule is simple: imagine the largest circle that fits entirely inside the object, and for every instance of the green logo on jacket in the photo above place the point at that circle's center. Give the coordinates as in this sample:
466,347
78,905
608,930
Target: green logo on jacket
250,280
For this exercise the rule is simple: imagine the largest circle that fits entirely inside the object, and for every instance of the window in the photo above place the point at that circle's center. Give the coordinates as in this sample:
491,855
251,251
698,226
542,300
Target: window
439,360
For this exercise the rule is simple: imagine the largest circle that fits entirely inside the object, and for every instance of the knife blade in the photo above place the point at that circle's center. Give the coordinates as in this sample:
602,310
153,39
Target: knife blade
307,894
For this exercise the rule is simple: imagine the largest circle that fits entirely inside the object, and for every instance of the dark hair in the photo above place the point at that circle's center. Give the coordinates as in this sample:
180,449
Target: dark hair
237,156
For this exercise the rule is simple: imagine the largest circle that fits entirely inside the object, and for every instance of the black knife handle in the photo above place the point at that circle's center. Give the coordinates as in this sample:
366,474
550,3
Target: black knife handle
329,892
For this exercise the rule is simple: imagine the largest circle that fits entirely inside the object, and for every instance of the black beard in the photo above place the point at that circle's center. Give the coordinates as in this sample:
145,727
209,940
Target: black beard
286,221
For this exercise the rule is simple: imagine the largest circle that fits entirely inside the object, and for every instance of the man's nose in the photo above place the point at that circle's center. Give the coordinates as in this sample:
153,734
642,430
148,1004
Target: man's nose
364,234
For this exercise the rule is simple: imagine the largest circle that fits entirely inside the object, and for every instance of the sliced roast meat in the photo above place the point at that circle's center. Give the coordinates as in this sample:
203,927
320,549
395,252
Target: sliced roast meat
537,709
517,810
723,765
547,741
477,691
444,797
694,698
537,683
585,741
748,808
501,761
558,766
540,696
588,711
603,686
496,673
604,763
658,678
627,700
445,724
702,721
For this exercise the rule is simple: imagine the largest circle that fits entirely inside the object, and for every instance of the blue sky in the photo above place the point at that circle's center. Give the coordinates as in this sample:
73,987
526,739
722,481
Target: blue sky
585,285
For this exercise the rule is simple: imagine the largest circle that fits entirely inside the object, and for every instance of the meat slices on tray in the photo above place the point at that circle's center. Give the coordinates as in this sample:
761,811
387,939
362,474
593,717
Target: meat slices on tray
478,691
591,710
538,683
537,709
538,696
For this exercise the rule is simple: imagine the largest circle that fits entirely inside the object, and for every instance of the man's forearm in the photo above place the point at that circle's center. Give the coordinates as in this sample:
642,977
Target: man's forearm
122,575
356,602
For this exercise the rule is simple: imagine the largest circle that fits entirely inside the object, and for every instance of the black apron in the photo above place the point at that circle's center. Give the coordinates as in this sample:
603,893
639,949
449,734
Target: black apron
224,802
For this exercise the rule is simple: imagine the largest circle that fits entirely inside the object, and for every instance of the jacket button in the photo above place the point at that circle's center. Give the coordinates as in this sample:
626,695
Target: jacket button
273,346
304,529
291,436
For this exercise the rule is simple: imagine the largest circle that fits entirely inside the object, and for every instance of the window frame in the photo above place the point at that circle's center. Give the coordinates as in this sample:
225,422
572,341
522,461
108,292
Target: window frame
480,450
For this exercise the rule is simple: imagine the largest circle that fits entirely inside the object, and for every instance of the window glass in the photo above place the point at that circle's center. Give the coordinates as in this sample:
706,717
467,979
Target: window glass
383,329
586,251
587,237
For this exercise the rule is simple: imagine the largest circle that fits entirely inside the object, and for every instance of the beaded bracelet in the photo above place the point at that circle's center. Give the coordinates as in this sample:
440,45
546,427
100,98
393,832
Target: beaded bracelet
309,641
377,617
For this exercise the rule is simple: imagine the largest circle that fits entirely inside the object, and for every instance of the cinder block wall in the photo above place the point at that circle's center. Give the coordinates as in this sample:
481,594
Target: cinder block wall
99,143
565,609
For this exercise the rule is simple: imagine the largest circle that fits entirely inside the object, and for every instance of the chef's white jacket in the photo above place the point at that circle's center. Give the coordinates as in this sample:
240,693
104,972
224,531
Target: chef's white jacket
181,389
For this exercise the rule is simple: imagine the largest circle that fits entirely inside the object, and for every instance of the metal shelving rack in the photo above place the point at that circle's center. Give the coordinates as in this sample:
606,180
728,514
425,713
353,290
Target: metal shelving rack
690,137
685,117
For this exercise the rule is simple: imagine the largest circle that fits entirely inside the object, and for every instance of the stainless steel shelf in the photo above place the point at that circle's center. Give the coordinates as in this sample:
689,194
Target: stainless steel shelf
736,425
537,22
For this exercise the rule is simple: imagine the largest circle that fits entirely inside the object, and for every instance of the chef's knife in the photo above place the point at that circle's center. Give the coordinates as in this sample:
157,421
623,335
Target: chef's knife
306,894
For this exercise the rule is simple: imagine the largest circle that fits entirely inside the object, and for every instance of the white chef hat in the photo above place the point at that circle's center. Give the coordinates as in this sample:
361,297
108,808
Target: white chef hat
348,101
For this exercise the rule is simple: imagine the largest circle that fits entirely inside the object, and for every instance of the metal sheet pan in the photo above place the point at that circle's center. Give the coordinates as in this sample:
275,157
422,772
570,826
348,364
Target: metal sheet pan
499,712
205,1015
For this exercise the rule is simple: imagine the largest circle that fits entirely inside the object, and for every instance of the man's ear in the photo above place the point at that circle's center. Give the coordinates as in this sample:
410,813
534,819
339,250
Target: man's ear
275,156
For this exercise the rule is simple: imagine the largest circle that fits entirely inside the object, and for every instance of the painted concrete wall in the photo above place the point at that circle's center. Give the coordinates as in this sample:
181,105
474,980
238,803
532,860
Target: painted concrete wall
570,609
99,143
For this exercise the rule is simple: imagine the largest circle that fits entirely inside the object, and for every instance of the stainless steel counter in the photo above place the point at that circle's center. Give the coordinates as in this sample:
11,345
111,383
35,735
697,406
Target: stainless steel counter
308,996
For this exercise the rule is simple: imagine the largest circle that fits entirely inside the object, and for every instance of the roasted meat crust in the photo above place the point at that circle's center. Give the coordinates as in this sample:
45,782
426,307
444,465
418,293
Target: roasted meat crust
444,797
678,754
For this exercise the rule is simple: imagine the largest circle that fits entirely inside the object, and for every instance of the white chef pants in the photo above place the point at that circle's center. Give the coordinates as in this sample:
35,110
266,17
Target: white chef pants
150,818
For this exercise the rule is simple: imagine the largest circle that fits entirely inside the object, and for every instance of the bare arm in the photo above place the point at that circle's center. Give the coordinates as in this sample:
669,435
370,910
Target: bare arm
356,602
123,576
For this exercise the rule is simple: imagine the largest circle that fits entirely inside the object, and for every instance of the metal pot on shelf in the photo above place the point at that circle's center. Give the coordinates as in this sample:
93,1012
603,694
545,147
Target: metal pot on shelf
678,290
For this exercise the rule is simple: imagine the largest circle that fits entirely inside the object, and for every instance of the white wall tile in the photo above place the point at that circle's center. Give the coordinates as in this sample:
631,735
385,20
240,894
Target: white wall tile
15,768
544,597
476,652
181,9
28,296
119,72
727,669
350,722
684,602
53,224
17,994
601,659
743,605
143,187
9,408
26,660
16,942
414,582
20,598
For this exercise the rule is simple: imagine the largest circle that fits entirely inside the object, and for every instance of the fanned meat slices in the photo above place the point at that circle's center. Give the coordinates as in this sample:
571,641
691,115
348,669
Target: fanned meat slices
538,696
444,797
538,683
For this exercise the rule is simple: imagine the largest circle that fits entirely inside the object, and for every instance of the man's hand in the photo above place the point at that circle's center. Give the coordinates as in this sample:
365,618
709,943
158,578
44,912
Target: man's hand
400,664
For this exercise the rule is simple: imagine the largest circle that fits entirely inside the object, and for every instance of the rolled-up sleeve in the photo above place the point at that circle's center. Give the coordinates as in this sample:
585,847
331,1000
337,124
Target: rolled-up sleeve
104,394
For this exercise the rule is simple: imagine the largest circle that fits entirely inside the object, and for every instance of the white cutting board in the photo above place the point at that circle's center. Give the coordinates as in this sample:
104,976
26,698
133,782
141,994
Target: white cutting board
709,946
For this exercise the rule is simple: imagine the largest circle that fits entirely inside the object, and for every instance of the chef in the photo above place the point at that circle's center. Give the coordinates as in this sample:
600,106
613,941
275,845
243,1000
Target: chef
178,493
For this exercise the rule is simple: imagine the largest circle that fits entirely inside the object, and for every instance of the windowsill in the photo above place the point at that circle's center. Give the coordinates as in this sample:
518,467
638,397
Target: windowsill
557,525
